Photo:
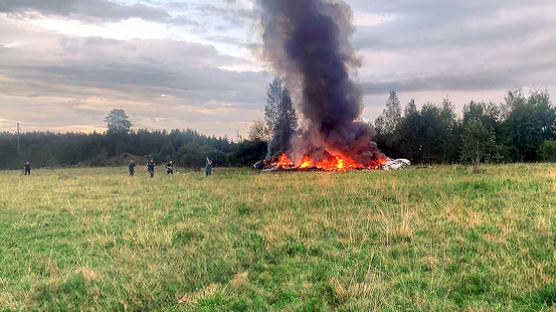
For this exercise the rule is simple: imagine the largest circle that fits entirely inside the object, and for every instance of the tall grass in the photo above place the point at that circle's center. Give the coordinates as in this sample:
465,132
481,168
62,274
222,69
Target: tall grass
419,240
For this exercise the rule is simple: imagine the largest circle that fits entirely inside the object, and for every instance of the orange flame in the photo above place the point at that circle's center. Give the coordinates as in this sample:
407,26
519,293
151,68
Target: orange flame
284,161
338,163
306,163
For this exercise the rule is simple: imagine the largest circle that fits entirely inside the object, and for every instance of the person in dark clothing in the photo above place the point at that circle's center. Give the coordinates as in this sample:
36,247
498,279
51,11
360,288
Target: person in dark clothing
150,167
131,168
170,167
208,166
27,168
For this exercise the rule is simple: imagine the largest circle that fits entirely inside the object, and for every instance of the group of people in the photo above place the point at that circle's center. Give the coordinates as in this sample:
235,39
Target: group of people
151,165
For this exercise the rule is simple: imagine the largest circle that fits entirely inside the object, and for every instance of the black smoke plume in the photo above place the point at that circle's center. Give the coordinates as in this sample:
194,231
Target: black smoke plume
307,42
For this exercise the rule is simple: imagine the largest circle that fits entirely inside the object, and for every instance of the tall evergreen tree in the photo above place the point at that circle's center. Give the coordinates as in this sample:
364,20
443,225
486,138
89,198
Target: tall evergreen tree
431,134
387,126
410,126
391,115
280,117
286,124
273,100
449,139
117,122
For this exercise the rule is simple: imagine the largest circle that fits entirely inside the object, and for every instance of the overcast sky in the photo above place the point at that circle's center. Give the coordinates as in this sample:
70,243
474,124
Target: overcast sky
64,64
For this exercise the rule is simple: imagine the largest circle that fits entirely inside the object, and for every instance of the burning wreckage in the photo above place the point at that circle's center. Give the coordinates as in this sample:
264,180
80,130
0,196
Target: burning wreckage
338,163
308,44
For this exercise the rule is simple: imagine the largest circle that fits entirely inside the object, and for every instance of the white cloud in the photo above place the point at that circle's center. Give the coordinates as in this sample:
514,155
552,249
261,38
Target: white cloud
133,28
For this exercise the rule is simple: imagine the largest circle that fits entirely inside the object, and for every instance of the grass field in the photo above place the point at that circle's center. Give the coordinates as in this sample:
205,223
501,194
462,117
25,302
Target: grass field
441,239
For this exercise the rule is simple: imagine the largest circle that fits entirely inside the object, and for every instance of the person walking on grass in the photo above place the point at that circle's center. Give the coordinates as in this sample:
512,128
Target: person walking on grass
170,168
27,168
131,168
150,168
208,166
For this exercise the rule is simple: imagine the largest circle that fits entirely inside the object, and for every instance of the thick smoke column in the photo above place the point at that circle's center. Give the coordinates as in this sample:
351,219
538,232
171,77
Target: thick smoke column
307,42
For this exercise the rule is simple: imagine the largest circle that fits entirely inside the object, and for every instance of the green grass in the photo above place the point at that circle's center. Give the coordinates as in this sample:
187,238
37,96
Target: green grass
442,239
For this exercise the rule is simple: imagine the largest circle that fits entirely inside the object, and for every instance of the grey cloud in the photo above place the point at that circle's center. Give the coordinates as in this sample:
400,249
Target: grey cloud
229,11
143,68
484,79
477,81
229,40
449,23
407,34
200,18
197,85
442,10
169,53
184,20
210,18
459,45
87,9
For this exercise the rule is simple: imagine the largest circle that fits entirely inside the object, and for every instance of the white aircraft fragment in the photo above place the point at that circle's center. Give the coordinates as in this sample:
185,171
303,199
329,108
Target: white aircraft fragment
396,164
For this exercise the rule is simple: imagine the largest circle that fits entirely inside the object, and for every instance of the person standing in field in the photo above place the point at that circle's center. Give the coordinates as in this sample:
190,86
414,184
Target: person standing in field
170,168
131,168
150,167
27,168
208,166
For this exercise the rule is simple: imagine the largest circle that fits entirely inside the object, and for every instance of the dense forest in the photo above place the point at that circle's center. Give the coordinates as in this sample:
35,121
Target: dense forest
188,148
522,129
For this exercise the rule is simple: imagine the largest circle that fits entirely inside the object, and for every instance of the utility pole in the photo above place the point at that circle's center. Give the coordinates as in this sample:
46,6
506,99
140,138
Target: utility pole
17,126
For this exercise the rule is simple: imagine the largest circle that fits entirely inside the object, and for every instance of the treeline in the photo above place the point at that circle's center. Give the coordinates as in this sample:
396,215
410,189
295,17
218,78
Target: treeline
522,129
185,147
